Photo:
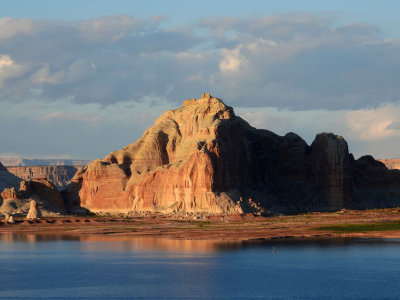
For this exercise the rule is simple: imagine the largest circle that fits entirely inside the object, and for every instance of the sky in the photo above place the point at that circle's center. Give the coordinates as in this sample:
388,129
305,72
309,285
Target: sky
79,79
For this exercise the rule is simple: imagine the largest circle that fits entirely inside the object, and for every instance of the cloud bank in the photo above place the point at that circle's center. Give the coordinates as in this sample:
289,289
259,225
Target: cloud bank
294,61
280,69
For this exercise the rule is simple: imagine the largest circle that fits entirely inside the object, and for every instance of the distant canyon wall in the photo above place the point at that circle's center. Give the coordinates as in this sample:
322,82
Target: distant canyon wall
19,162
61,176
391,164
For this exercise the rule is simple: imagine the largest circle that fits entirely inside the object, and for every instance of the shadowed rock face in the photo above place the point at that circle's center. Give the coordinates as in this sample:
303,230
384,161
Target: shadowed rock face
7,179
332,171
375,186
202,158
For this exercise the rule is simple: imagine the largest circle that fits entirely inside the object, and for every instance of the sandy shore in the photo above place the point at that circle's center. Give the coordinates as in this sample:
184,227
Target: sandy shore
235,227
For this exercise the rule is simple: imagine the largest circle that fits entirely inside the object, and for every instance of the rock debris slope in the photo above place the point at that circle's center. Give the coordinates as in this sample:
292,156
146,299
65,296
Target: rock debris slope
202,158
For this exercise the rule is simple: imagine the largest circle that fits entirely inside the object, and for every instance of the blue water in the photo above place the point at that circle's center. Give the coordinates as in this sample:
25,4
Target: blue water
101,267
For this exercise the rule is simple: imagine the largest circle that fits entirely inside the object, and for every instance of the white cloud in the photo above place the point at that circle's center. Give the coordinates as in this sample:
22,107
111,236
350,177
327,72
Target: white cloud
10,27
78,70
232,60
374,124
5,61
10,69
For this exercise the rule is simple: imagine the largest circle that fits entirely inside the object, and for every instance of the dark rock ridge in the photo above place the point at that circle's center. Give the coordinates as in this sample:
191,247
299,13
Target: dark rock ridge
202,158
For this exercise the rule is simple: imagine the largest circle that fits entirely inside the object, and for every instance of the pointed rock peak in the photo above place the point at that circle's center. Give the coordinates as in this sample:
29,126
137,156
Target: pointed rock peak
208,104
206,98
328,138
328,135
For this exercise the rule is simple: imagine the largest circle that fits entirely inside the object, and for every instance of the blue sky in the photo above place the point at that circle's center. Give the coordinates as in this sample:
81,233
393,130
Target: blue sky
79,79
382,13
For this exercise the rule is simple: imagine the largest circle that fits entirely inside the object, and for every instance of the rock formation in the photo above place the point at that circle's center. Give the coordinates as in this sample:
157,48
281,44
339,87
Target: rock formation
16,194
61,176
45,193
10,219
202,158
34,212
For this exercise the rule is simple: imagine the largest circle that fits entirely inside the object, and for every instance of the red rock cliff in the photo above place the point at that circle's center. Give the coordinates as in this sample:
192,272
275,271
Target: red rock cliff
171,168
202,158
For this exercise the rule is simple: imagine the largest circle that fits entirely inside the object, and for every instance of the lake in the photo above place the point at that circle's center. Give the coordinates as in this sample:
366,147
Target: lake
157,268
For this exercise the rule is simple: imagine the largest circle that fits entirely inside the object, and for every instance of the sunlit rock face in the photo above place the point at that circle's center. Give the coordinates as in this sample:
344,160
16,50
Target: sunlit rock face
202,158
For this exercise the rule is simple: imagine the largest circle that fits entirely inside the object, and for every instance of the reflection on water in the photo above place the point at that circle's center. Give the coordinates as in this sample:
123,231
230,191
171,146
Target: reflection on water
155,243
125,243
104,266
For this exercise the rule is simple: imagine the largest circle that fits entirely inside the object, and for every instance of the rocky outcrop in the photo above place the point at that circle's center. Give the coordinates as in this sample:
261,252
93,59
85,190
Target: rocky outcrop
202,158
9,219
391,164
34,212
45,193
61,176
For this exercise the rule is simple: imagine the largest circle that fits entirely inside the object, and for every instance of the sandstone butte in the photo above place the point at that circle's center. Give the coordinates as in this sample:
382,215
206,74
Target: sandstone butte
202,158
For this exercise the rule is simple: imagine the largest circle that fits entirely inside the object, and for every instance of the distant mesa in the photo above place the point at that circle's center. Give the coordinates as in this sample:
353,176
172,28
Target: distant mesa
60,175
392,164
201,157
21,162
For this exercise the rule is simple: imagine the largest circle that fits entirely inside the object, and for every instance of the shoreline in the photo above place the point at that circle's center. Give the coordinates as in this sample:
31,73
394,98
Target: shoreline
223,228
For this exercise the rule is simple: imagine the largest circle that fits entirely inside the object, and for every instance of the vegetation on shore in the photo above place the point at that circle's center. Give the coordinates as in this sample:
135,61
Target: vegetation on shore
362,227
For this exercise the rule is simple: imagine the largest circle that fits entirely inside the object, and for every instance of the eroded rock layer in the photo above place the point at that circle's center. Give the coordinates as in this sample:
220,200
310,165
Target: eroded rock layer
202,158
